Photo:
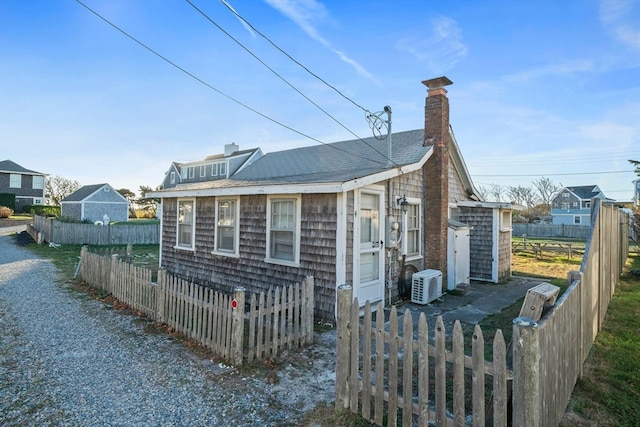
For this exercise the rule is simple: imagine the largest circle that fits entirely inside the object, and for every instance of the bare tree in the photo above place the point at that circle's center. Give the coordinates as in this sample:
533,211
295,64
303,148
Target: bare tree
58,188
546,189
524,196
483,192
497,192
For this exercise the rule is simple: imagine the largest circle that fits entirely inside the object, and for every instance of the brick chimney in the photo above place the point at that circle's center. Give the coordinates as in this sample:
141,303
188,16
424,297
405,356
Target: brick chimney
436,175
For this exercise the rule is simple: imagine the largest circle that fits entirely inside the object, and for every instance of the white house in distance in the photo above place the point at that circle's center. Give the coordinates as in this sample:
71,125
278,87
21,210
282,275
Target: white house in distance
93,202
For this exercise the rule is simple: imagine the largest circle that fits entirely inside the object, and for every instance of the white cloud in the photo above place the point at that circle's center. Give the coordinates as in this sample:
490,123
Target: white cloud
561,69
621,18
441,49
244,24
305,14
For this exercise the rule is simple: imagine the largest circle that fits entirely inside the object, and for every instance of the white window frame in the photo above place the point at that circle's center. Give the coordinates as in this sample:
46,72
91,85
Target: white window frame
183,172
506,220
223,169
15,180
37,182
37,201
203,171
192,171
234,252
577,220
414,203
173,177
297,211
191,245
214,169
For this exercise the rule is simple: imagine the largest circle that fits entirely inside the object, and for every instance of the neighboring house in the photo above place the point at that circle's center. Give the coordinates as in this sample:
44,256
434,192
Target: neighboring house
93,202
340,212
636,192
27,185
215,167
572,205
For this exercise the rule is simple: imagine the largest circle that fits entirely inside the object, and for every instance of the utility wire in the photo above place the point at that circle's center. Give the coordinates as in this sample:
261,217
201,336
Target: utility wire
282,78
291,58
557,174
218,90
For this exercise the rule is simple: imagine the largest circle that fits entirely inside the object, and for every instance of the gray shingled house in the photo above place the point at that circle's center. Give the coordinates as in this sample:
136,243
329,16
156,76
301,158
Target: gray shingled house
27,185
343,213
93,202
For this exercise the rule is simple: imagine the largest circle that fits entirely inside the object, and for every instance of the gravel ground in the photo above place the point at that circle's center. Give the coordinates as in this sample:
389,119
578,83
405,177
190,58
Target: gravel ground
68,360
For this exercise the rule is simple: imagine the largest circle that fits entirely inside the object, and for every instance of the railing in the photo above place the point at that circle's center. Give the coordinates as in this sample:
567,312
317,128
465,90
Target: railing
228,325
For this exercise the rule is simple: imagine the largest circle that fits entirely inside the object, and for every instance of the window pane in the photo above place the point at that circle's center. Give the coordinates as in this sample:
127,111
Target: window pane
226,225
282,245
15,181
38,182
223,168
185,222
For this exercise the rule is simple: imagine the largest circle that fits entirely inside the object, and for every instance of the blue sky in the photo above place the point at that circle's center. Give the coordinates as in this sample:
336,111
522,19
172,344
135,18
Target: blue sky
541,88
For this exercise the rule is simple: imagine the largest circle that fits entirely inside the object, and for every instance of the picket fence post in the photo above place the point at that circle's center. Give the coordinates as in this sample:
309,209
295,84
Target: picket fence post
237,325
526,373
343,346
160,296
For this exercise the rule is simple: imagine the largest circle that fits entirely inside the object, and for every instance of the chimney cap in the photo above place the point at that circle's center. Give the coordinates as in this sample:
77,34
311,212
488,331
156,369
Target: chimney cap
437,83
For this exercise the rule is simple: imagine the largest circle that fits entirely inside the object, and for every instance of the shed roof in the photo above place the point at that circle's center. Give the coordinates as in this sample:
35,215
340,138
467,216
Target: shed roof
86,191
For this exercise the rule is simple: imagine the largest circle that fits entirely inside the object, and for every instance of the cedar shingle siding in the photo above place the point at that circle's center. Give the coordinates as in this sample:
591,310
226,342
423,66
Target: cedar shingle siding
317,251
480,221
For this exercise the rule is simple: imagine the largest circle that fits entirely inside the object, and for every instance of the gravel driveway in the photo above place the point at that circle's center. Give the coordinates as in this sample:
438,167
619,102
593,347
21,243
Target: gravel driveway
68,360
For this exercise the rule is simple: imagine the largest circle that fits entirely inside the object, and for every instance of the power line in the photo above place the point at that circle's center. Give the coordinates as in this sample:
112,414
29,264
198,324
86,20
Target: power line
555,174
282,78
218,90
291,58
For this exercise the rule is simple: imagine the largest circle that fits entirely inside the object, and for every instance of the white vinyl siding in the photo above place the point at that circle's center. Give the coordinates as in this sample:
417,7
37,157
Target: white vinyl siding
186,222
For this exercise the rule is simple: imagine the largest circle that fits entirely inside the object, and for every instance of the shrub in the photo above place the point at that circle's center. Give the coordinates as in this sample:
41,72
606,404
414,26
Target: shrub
42,210
5,212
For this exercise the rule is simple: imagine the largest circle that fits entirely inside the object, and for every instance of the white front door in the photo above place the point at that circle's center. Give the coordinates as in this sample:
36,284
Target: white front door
369,261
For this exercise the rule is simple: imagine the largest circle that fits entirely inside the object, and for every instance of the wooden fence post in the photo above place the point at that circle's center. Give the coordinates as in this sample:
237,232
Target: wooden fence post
237,326
343,349
309,308
160,296
113,271
526,373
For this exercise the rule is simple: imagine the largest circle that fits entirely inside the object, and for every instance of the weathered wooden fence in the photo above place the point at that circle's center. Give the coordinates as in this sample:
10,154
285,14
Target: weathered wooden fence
565,231
70,233
548,355
234,327
383,372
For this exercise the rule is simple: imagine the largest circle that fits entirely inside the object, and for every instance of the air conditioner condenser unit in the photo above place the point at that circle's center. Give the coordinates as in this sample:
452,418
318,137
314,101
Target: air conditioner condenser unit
426,286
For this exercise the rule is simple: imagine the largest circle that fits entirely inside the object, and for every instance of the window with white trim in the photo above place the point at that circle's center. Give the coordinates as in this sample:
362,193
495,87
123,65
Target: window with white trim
283,230
203,171
413,230
186,223
576,220
223,169
226,233
192,171
15,180
38,183
183,173
214,169
173,177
